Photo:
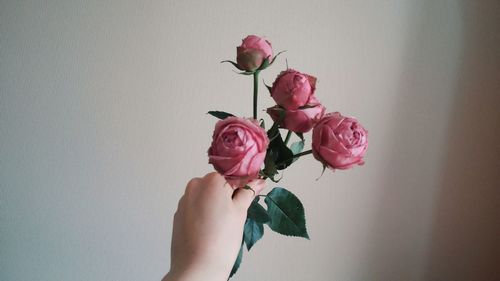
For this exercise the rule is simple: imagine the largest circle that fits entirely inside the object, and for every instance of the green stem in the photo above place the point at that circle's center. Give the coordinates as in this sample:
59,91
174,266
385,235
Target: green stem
255,93
288,135
303,153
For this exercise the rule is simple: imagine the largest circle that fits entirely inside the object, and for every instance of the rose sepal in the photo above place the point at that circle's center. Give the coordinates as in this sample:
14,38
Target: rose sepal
265,64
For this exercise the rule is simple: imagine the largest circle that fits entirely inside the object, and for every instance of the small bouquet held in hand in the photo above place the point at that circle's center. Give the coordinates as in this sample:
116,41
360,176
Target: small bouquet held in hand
242,150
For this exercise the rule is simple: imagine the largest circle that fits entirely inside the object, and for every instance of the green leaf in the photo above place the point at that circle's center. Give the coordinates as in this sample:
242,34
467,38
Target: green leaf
278,155
286,213
297,148
220,114
271,176
237,262
281,154
256,212
274,131
270,169
252,232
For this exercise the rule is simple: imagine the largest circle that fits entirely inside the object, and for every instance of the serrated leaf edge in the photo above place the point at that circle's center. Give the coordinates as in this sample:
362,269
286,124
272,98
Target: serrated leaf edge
306,235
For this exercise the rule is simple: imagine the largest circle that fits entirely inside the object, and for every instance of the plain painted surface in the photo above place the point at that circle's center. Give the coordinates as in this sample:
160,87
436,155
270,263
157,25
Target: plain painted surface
102,122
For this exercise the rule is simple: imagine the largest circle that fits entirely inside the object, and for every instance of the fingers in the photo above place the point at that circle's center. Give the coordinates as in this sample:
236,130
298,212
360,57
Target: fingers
244,197
215,182
214,178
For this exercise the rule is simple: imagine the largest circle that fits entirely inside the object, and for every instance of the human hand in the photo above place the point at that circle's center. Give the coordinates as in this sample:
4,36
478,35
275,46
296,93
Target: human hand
208,228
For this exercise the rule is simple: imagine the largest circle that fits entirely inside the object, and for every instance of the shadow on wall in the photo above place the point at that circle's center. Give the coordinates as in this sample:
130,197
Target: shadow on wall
401,221
437,215
465,237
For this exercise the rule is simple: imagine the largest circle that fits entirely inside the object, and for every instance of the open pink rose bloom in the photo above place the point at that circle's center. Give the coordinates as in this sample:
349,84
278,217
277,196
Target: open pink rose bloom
238,149
339,142
297,109
293,89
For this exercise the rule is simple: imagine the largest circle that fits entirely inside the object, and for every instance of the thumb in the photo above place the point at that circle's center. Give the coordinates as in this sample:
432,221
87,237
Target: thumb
244,196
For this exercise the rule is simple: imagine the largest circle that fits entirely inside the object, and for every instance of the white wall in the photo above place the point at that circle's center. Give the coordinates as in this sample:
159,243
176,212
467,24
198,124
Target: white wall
102,122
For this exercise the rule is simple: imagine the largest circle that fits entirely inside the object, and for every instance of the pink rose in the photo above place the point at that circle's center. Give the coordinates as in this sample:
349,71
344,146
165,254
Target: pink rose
297,120
252,52
293,89
339,142
238,149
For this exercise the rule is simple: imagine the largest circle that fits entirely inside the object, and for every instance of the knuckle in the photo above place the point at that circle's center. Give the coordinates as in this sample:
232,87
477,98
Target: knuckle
213,179
192,184
212,176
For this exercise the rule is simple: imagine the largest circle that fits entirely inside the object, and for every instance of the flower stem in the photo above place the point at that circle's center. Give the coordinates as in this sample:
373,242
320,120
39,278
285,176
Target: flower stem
288,135
255,93
303,153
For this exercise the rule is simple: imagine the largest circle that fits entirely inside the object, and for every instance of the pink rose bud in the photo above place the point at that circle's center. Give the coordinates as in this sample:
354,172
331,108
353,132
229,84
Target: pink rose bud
297,120
293,89
252,52
238,149
339,142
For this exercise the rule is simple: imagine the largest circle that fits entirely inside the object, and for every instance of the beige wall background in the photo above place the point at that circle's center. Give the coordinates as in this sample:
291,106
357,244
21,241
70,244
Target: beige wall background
102,122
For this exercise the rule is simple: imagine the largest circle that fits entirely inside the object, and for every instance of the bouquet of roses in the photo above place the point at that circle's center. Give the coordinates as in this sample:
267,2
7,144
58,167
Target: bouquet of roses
242,150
